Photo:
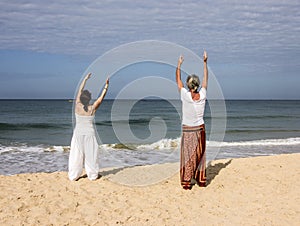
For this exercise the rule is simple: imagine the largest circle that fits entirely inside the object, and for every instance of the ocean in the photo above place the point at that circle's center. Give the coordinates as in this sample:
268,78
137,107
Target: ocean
35,135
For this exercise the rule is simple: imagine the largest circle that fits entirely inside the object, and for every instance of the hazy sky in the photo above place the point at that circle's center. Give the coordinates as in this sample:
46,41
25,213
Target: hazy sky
253,46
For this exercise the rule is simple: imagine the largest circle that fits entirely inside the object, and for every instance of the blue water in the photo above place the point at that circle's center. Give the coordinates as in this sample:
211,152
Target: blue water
35,134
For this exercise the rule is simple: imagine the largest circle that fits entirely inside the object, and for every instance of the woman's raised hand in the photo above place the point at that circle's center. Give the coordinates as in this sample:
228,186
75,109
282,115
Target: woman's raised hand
205,56
88,76
180,60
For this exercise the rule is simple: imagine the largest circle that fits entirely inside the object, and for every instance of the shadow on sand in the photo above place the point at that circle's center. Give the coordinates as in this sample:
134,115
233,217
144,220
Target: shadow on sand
108,172
213,170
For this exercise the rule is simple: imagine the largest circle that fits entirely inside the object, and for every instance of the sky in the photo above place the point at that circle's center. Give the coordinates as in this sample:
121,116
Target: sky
46,46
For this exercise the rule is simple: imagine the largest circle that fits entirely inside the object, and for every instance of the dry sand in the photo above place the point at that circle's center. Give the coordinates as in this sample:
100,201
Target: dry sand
249,191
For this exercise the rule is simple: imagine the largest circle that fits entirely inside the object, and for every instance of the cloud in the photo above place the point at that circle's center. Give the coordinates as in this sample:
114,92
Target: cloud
33,24
242,31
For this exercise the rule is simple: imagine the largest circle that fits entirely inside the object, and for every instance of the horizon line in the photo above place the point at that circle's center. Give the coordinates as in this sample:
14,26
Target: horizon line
111,99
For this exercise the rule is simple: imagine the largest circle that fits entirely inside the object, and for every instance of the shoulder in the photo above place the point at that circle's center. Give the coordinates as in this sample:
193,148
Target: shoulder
183,90
185,95
78,106
202,93
92,110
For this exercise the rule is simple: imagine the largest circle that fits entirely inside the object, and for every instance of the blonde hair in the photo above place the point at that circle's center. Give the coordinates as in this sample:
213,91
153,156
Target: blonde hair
193,82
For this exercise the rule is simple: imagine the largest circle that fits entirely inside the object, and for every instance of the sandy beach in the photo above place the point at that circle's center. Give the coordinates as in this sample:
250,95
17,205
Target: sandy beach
246,191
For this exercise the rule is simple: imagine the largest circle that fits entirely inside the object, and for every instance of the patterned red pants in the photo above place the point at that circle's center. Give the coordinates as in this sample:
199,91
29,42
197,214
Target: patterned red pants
192,156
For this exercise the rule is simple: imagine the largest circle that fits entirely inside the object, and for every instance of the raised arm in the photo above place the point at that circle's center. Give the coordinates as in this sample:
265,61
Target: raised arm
178,73
81,87
205,71
97,103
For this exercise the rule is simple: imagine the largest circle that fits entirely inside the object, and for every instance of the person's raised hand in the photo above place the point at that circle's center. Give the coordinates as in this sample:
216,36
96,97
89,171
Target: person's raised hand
180,60
205,56
88,75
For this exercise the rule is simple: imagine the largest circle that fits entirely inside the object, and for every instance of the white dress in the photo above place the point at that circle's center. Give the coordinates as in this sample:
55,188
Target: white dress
84,148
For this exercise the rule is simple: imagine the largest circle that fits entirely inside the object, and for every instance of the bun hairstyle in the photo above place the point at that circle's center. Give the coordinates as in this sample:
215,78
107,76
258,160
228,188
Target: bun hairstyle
85,98
193,82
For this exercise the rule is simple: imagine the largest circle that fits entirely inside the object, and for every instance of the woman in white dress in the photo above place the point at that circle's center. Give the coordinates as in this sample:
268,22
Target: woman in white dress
84,145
